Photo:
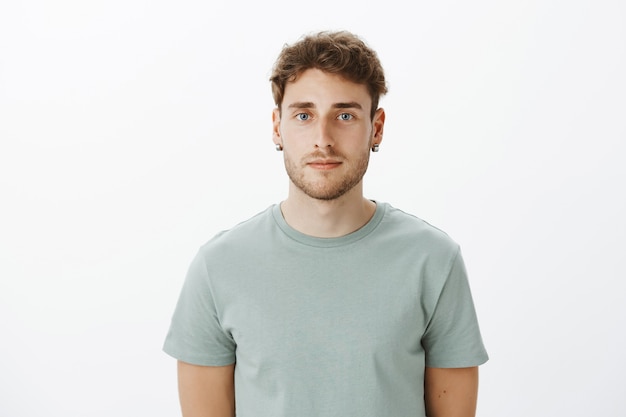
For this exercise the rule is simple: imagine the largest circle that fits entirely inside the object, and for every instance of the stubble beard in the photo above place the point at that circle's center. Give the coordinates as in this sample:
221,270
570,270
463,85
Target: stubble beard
326,186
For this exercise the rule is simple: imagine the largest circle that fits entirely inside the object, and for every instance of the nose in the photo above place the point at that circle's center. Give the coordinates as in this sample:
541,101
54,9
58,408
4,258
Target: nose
324,135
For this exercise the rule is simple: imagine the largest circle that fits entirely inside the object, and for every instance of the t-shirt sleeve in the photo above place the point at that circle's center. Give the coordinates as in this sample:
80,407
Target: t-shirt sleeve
195,335
452,338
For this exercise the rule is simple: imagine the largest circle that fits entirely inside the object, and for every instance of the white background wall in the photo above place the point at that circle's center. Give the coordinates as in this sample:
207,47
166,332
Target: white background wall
132,131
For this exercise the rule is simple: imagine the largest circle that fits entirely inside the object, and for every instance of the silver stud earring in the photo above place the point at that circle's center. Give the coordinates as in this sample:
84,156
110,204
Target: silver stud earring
279,147
375,147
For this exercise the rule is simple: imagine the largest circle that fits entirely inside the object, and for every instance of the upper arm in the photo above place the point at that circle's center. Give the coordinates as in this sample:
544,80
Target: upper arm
206,391
451,392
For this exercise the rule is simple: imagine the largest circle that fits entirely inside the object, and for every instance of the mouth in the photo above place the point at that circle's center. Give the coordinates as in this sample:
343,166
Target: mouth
324,164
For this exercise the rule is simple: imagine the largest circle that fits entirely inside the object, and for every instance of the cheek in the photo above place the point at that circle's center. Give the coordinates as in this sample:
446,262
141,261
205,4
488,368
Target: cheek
356,137
288,131
298,138
355,131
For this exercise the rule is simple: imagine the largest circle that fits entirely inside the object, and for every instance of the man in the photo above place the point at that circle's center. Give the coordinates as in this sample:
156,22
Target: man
327,304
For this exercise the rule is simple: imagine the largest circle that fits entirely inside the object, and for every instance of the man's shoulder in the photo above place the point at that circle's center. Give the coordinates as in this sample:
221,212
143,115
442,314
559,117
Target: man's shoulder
404,226
242,233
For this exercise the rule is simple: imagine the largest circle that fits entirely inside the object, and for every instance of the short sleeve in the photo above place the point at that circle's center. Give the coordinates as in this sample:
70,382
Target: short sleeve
195,335
452,338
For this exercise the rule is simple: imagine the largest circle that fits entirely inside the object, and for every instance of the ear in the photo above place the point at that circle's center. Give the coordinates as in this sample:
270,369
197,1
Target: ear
278,140
378,124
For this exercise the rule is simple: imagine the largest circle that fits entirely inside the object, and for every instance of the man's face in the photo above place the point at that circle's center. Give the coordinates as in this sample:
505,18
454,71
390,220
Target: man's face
326,133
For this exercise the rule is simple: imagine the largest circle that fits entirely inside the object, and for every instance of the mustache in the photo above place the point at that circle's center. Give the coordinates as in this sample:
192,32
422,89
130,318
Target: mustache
323,155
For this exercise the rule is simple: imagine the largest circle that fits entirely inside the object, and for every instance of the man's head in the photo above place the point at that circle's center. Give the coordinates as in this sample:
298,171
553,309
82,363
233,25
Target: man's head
340,53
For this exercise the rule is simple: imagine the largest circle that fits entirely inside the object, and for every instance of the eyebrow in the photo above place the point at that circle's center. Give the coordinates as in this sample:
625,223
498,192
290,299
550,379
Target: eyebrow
311,105
349,105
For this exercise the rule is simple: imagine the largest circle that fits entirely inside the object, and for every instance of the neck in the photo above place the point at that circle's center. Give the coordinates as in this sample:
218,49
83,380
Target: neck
327,218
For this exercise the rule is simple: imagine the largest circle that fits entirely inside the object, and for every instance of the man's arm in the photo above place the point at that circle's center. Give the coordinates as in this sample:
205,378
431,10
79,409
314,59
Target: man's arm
451,392
206,391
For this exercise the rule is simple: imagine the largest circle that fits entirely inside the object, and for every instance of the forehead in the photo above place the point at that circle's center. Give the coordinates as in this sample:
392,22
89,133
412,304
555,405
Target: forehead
323,88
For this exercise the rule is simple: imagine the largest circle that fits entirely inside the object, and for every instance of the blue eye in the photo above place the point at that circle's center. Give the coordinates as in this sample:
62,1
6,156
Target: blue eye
302,116
345,116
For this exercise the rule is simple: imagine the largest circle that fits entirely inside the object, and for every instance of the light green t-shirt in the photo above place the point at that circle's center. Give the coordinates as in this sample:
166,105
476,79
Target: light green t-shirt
323,327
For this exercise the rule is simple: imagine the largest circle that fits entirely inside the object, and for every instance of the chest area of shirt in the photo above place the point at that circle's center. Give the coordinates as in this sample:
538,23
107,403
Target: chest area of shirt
312,313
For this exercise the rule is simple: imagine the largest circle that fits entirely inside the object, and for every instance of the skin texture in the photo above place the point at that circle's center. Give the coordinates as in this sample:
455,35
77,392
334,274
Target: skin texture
451,392
206,391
